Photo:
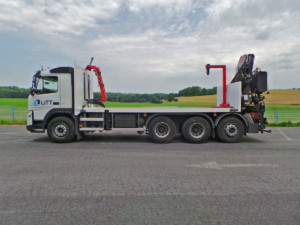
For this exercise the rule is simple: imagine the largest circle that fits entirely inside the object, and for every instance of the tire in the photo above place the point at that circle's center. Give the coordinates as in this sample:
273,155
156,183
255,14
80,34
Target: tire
230,130
61,130
162,129
196,130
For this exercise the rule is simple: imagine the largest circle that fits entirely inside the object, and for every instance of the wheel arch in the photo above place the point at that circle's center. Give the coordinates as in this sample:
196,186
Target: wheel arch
150,118
56,113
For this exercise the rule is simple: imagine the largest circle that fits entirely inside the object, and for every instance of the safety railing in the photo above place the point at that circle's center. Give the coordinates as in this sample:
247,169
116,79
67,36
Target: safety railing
283,116
13,113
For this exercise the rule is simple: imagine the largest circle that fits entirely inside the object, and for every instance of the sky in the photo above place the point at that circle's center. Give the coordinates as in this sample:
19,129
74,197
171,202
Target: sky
150,46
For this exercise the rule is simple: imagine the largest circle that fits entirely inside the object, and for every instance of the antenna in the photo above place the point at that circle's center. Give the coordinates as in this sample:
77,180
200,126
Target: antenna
92,59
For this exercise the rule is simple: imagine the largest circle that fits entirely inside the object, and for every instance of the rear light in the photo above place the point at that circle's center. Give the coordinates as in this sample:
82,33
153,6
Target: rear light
255,116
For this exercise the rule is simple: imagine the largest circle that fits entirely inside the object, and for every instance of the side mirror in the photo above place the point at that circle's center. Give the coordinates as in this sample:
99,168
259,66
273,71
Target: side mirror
207,68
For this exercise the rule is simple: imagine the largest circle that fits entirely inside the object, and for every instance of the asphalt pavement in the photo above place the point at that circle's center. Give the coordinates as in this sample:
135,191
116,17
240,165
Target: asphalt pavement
121,177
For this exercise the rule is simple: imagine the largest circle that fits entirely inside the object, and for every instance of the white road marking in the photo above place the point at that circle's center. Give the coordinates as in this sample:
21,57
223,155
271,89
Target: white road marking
283,134
215,165
9,133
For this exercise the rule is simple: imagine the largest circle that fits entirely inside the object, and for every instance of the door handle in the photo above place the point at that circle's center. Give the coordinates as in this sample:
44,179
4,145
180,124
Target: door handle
55,103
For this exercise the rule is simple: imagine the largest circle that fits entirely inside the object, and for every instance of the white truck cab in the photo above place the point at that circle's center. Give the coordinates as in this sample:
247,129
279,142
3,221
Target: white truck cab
52,90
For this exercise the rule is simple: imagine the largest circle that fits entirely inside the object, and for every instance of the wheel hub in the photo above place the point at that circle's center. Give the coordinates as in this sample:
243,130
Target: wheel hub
60,130
231,130
162,130
197,130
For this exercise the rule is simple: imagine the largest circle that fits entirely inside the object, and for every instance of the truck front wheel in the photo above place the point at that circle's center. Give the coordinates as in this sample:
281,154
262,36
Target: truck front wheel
196,130
162,129
230,130
61,129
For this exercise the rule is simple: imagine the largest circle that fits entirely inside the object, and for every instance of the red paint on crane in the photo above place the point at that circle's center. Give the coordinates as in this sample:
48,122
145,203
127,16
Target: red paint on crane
100,81
223,67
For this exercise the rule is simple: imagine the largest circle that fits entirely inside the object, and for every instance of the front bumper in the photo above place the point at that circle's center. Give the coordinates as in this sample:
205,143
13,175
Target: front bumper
34,129
30,128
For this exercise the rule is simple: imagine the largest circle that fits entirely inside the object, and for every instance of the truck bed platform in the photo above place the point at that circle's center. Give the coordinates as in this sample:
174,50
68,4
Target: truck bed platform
160,110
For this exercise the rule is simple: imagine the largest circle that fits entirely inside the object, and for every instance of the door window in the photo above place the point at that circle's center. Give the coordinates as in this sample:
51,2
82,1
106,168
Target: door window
47,85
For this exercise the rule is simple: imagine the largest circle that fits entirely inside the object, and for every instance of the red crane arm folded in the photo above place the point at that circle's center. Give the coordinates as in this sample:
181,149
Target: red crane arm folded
100,81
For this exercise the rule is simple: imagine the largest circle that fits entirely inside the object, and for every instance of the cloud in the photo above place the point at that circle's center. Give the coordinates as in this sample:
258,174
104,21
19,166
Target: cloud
55,17
163,44
75,16
169,7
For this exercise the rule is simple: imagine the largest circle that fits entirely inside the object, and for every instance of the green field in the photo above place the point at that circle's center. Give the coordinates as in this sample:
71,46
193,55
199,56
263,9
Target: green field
17,102
287,112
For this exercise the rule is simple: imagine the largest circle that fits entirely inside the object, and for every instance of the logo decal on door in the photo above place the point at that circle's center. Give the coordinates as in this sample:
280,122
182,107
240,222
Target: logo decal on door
42,102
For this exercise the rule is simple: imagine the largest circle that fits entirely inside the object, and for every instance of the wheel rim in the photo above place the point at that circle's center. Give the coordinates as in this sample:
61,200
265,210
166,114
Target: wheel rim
231,130
197,130
61,130
162,130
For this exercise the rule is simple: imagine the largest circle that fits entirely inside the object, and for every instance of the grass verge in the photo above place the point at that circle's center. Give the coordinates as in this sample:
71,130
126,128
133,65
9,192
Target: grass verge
13,122
284,124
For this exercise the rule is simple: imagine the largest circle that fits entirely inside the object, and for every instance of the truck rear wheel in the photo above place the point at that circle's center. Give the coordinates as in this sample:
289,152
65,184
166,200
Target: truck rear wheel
196,130
162,129
230,130
61,130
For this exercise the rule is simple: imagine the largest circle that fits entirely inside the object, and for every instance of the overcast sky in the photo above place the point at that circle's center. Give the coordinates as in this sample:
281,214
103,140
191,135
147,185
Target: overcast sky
148,46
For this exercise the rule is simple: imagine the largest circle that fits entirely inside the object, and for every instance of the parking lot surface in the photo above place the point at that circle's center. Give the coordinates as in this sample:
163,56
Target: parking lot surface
121,177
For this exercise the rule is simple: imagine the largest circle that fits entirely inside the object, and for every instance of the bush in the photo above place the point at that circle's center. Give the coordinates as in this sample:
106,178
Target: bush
155,100
171,98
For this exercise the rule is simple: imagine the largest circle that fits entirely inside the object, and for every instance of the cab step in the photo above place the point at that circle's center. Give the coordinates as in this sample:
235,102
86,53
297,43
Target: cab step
91,119
91,129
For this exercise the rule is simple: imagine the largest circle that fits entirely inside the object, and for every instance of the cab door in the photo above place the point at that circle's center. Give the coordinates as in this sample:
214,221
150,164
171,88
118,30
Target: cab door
46,97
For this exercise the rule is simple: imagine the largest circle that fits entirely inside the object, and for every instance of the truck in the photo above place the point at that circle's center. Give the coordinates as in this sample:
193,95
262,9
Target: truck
62,103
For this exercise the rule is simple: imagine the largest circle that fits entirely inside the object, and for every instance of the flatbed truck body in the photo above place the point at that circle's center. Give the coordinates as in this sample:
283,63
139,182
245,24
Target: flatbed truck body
61,103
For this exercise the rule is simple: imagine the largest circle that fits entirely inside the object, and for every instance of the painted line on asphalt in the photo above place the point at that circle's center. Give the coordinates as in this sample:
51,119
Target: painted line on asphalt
283,134
215,165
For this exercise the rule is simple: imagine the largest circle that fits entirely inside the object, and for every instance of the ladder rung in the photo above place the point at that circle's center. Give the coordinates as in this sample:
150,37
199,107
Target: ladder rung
91,129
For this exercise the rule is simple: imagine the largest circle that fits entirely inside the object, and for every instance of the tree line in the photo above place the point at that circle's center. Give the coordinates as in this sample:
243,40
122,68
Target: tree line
131,97
197,91
16,92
